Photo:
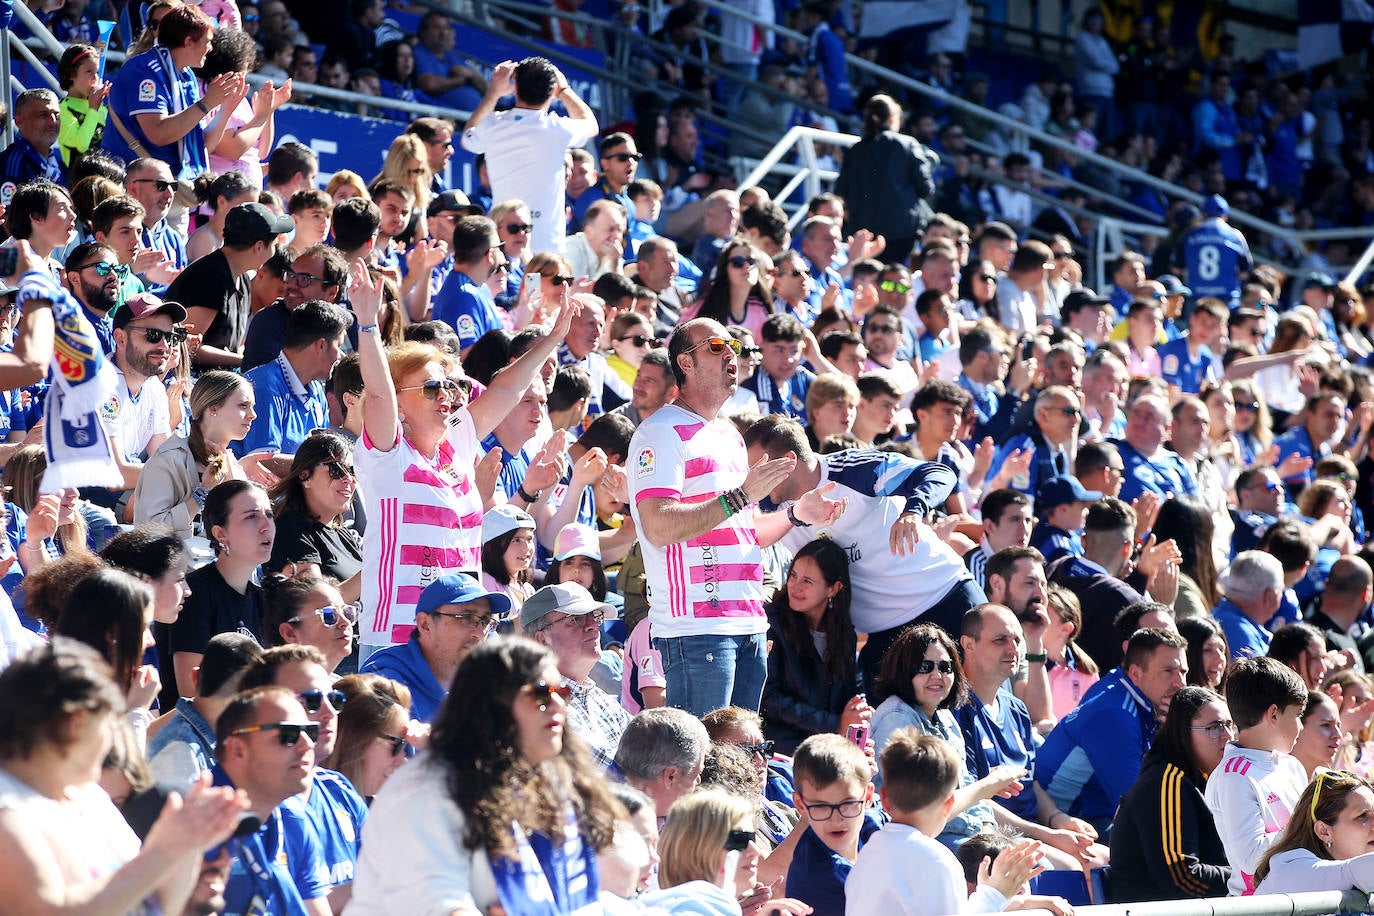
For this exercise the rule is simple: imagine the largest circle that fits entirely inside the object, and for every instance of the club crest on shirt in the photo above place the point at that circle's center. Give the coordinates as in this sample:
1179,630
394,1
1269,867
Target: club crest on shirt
645,461
147,91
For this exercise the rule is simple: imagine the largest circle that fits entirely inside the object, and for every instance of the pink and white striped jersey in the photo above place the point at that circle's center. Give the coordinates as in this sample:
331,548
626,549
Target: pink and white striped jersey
711,584
424,519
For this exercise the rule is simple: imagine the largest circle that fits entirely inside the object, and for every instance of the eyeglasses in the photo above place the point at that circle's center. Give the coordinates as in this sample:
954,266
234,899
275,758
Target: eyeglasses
432,387
301,278
397,742
288,733
764,750
581,621
161,185
847,809
881,328
338,470
894,286
926,666
717,345
1062,256
1216,729
330,616
1250,406
741,261
313,700
788,273
105,268
157,335
639,340
542,692
518,228
738,840
484,622
624,157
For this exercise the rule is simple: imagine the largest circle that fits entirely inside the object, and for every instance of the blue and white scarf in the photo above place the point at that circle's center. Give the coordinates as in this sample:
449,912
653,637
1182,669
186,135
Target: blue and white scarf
79,451
191,150
549,878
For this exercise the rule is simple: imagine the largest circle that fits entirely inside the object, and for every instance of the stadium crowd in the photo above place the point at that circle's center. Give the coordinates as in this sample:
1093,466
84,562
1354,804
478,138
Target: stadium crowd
588,542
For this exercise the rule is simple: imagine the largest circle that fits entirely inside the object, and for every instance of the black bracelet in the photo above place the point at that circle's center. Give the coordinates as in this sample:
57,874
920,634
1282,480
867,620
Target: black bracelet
792,517
520,492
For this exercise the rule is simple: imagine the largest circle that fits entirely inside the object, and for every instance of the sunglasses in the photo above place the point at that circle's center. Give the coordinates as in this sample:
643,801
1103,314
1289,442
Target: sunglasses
1070,411
543,693
288,733
484,622
717,345
330,616
624,157
518,228
738,840
894,286
1247,405
640,340
105,268
740,260
432,387
764,750
313,700
338,470
560,280
397,742
881,328
752,352
157,182
301,278
925,666
789,273
157,335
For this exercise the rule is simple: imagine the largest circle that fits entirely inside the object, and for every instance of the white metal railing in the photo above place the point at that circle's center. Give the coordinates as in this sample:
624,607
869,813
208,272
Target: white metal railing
1109,238
1317,903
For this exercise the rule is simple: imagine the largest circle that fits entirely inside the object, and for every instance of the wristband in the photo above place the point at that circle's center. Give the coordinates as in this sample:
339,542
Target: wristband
1037,656
792,517
520,492
725,504
200,103
367,329
199,494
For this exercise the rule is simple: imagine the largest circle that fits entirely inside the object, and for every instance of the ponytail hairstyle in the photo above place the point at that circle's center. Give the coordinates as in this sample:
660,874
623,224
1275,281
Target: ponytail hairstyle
1065,604
215,189
212,390
878,115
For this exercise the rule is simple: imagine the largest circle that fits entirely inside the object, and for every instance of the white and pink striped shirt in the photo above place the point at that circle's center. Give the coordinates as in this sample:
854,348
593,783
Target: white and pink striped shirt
711,584
424,519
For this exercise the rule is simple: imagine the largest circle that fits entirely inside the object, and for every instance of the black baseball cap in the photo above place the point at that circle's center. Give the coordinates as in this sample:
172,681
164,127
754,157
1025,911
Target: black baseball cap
453,202
254,222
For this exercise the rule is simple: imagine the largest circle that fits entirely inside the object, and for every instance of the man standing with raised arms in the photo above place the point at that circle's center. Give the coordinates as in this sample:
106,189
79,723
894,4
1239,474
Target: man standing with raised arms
524,145
692,495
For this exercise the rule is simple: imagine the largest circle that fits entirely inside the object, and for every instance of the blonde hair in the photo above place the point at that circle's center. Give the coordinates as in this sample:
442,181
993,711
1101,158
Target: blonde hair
828,388
546,261
352,179
411,356
403,148
692,843
505,208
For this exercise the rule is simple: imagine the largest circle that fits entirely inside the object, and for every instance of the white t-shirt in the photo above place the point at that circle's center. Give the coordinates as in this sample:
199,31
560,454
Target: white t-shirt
713,583
1252,795
424,520
1017,306
902,872
136,419
524,150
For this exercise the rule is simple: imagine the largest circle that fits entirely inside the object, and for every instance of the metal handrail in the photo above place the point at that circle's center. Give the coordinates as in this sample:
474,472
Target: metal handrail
39,30
43,72
662,47
1314,903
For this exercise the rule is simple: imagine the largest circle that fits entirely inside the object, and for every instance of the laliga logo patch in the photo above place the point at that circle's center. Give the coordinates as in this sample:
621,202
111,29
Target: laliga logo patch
645,461
147,91
7,192
110,409
466,326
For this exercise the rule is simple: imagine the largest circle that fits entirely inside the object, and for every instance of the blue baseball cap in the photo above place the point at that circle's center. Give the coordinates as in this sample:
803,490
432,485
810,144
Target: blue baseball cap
1173,286
1060,490
1215,205
1319,278
459,588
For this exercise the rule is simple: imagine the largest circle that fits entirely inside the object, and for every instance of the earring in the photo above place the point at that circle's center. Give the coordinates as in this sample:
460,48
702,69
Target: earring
226,550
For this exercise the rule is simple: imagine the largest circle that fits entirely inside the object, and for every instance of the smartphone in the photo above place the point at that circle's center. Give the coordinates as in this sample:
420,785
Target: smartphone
858,734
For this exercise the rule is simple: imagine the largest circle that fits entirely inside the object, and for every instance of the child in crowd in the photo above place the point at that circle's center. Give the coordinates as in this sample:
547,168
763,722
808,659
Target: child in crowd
1252,793
833,790
903,870
1062,504
83,111
508,553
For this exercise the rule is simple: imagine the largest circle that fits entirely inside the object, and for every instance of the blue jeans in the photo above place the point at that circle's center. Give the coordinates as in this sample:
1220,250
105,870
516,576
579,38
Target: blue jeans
711,672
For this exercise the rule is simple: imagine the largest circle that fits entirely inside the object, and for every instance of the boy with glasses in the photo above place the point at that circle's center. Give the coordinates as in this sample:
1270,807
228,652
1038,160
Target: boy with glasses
834,788
454,613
